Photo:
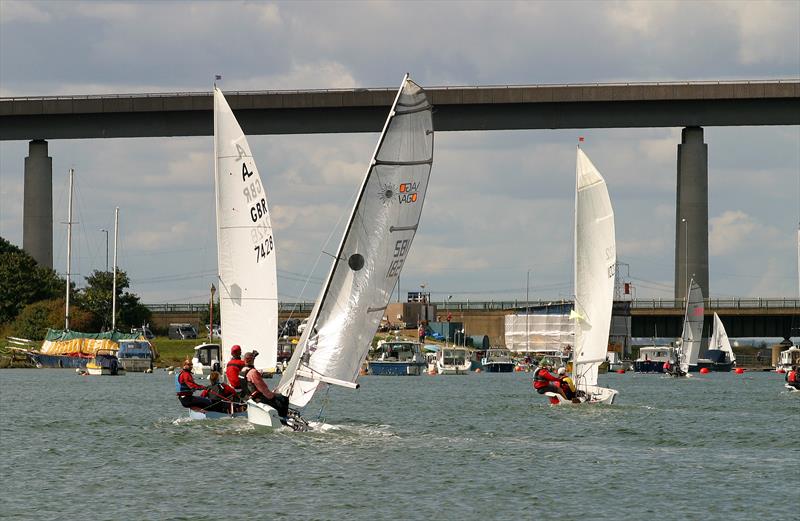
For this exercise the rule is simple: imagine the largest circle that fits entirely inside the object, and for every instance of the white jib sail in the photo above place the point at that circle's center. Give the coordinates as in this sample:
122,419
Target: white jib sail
719,339
248,287
692,327
370,257
595,260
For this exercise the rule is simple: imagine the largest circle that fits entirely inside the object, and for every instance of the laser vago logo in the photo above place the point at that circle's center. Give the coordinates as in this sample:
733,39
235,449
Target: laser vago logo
408,193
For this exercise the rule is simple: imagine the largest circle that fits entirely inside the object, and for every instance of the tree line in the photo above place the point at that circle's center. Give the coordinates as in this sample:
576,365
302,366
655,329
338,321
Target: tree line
32,298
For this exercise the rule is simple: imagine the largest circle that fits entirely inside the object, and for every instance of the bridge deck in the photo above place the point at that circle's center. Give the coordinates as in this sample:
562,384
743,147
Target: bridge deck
769,102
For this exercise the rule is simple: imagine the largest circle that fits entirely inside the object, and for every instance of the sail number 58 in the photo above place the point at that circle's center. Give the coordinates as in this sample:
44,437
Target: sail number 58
400,251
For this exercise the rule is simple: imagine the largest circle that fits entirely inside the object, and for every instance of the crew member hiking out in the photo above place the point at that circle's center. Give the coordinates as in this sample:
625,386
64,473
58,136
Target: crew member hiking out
257,387
544,381
185,387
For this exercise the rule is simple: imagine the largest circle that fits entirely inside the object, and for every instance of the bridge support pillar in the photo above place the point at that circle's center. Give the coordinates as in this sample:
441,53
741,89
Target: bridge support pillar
691,216
37,205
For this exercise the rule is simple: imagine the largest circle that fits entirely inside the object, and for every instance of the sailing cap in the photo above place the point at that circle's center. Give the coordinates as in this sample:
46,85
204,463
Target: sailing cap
545,362
561,371
236,350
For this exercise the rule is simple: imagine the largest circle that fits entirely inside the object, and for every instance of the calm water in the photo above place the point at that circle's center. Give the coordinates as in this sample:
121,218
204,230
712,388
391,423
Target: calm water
480,446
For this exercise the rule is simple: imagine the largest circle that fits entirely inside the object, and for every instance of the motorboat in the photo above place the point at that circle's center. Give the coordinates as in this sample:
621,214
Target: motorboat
206,359
452,360
104,363
652,359
497,361
398,358
136,355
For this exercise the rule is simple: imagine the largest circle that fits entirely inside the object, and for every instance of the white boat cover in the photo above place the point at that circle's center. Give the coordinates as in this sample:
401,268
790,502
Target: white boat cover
538,332
692,327
595,260
248,286
719,339
370,257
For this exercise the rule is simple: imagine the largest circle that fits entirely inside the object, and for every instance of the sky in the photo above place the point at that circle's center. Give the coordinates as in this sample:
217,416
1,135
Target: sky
500,204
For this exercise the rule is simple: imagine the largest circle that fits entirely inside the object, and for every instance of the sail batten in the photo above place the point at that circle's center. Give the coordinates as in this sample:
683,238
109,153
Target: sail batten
247,272
595,257
371,254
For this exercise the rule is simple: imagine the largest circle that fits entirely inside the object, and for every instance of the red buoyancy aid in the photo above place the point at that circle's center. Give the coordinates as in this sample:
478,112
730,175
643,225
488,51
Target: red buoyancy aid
792,377
540,378
232,371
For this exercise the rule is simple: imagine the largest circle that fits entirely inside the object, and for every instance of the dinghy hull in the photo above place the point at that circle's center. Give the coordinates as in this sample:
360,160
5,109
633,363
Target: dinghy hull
594,394
262,414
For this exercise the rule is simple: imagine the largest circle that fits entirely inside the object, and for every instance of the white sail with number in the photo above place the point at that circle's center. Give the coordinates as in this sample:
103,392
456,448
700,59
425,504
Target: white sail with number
370,257
719,339
248,288
692,327
595,260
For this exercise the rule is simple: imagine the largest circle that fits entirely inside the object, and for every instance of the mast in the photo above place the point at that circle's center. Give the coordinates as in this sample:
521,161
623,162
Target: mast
114,283
69,248
576,326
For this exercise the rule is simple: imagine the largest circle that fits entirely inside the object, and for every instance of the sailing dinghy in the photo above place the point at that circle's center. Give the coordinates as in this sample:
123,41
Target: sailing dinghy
719,356
687,353
595,260
248,286
370,257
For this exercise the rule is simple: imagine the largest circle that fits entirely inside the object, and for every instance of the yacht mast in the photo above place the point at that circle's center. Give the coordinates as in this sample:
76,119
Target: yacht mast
114,284
69,248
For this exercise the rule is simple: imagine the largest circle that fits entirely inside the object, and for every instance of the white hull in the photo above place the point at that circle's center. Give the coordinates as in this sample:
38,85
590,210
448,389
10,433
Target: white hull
104,371
595,393
453,369
262,414
213,415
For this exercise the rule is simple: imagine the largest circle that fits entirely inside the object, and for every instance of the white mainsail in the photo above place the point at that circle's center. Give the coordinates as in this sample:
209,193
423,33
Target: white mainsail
719,339
248,287
692,327
370,257
595,259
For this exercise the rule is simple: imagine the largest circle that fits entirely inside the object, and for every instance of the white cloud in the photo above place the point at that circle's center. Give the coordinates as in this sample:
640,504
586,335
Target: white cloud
22,11
766,28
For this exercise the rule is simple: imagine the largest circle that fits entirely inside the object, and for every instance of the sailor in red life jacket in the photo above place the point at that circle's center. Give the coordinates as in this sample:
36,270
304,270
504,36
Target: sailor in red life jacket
259,392
793,378
544,381
185,387
222,395
232,370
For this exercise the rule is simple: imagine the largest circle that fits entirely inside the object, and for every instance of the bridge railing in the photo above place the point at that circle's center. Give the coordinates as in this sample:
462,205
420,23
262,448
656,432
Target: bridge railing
719,303
500,305
394,89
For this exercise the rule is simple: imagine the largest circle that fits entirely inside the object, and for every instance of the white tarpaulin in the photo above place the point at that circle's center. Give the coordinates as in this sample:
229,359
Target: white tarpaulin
538,332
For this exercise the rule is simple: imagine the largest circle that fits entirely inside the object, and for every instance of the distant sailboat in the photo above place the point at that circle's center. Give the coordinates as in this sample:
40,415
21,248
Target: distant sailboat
687,353
248,286
370,257
595,259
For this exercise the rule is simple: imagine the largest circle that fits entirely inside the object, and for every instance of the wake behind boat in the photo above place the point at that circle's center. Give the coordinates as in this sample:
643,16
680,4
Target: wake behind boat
595,259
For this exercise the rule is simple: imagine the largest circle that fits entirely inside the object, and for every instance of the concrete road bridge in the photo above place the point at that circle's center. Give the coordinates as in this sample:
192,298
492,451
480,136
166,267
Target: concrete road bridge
743,317
690,105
